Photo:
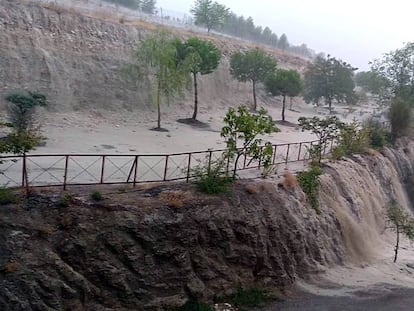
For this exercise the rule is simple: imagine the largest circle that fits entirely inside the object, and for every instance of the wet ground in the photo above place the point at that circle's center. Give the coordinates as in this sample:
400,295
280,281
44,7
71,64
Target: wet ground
380,298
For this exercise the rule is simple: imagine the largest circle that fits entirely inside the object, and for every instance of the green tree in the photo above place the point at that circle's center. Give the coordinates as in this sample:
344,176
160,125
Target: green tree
254,65
241,131
148,6
24,135
329,79
283,42
372,82
156,58
210,14
397,67
284,83
400,222
132,4
324,129
202,57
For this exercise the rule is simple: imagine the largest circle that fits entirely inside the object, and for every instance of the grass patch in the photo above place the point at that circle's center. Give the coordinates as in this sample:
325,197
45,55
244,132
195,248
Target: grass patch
309,183
7,196
96,196
65,200
212,178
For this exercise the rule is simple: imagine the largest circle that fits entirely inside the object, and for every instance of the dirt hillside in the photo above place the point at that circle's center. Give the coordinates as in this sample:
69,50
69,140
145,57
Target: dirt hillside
76,58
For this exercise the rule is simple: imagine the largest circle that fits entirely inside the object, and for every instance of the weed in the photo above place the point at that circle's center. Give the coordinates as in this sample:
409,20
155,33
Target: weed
378,135
212,178
174,199
309,183
289,181
11,266
46,231
97,196
65,200
7,196
252,297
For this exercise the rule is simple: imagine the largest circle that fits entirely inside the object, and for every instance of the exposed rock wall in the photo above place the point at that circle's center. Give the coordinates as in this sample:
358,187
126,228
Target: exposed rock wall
138,250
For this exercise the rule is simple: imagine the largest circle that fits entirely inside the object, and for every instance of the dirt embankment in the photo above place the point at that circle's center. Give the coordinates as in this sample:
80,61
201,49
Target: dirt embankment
152,247
77,59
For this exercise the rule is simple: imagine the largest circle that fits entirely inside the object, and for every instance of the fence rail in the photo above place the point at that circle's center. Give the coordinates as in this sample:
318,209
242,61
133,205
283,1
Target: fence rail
39,170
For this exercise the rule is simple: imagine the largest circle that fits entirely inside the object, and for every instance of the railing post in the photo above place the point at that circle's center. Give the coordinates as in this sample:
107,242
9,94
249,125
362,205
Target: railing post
65,176
135,171
209,162
188,167
300,149
287,154
103,169
274,155
166,167
260,157
309,150
23,170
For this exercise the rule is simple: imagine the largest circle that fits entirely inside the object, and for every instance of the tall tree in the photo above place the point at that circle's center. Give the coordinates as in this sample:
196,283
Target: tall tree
398,68
202,57
329,79
210,14
156,58
283,42
148,6
254,65
284,83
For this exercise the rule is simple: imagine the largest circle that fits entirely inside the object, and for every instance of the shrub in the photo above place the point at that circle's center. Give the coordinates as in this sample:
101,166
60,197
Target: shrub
289,181
65,200
7,196
351,140
309,183
212,178
97,196
400,117
378,135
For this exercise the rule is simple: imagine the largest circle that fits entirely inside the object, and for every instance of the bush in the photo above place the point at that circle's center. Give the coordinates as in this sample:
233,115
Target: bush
96,196
7,196
378,135
400,117
212,178
309,183
351,140
65,200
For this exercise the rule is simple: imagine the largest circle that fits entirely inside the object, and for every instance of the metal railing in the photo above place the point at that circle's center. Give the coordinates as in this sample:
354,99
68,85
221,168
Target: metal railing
39,170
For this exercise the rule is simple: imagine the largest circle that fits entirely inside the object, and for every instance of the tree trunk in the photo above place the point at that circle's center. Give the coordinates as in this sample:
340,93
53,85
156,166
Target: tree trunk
254,96
283,107
159,106
330,105
195,97
397,245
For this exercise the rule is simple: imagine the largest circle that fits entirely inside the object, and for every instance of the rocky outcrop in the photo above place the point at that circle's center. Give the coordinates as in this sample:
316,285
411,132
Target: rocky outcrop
152,247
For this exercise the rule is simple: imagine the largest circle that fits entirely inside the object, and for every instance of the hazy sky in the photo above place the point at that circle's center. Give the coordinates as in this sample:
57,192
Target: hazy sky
355,31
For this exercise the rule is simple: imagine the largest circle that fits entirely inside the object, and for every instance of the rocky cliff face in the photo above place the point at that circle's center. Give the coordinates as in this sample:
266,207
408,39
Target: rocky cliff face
77,60
149,248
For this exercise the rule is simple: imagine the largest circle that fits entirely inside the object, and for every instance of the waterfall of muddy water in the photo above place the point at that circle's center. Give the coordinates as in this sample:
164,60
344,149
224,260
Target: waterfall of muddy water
358,189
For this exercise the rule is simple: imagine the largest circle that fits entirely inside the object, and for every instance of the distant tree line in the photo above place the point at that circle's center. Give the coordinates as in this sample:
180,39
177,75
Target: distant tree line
215,16
146,6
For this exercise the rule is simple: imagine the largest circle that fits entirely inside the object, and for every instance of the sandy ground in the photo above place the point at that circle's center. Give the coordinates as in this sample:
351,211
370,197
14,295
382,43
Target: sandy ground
94,132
